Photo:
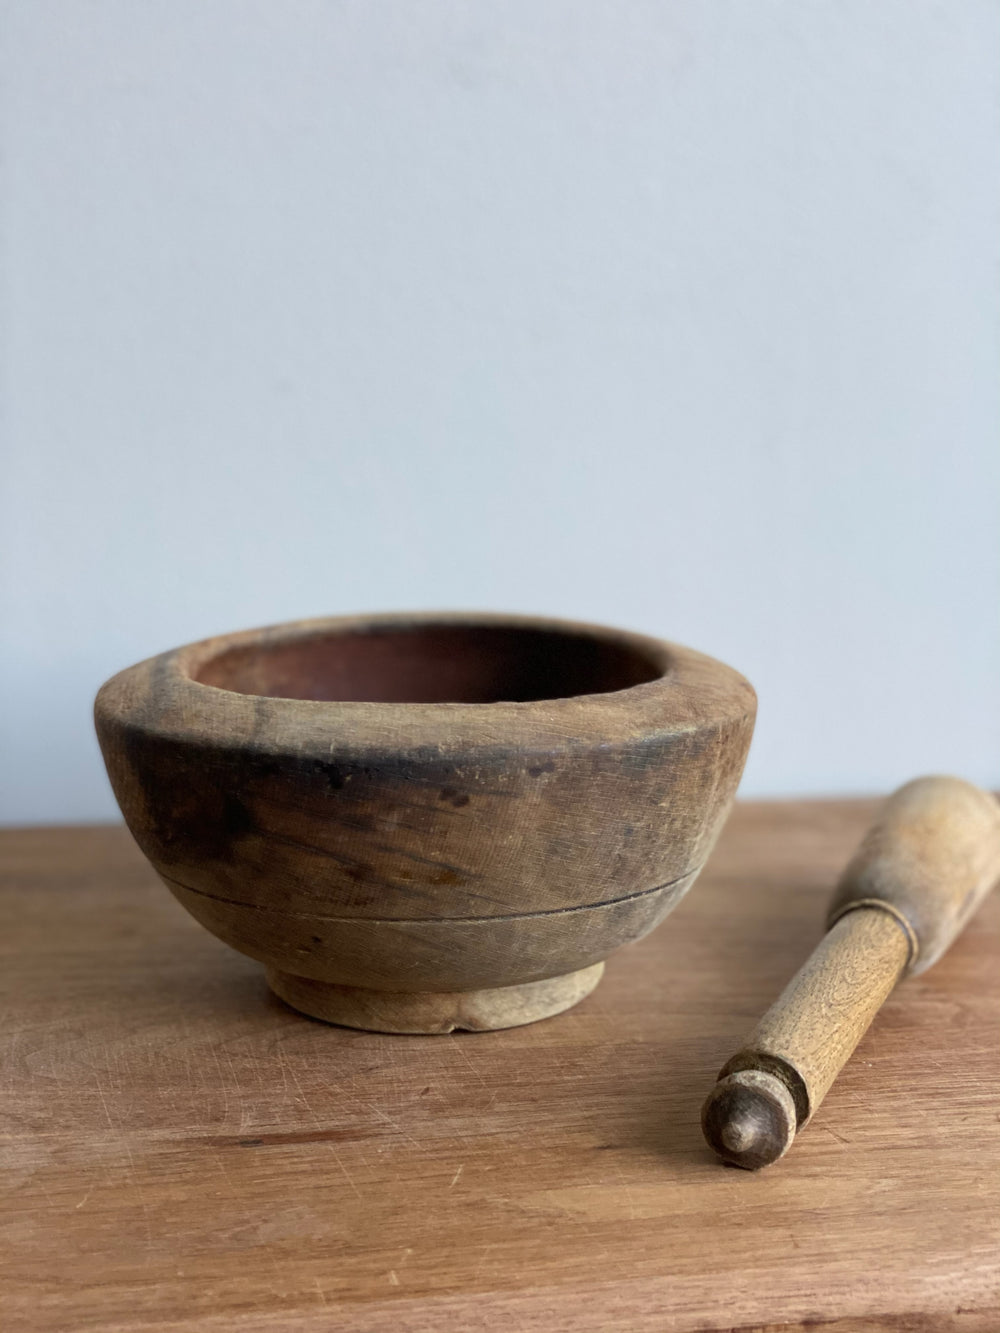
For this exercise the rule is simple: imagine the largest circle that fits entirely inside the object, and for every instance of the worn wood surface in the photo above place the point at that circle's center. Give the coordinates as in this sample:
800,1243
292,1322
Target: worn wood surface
182,1151
768,1091
926,863
428,806
930,858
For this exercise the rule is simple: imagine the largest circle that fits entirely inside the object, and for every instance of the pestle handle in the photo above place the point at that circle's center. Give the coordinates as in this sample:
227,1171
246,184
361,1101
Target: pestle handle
921,871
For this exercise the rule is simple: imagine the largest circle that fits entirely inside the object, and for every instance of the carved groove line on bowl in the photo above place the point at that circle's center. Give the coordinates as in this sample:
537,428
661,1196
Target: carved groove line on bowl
688,877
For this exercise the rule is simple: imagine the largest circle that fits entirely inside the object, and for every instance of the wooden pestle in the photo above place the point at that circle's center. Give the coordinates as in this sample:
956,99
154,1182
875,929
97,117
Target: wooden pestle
921,871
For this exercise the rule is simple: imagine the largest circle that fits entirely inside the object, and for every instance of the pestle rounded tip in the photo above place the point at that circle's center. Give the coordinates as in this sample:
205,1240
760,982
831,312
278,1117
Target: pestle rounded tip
739,1134
749,1118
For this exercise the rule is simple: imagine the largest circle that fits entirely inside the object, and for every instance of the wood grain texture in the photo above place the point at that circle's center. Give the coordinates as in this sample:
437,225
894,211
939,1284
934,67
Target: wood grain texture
182,1151
930,858
770,1089
427,805
925,865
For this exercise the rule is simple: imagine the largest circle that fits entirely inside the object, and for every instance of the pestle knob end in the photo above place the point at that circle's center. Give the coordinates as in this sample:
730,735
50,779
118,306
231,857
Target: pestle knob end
749,1118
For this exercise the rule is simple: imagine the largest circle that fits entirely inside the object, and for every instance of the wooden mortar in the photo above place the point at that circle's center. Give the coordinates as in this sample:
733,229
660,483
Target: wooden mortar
427,822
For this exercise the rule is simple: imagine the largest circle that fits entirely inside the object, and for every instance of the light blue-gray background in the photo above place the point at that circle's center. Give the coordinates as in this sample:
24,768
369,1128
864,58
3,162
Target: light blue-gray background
681,316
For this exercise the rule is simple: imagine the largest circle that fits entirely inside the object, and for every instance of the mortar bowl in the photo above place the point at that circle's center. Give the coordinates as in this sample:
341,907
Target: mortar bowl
423,822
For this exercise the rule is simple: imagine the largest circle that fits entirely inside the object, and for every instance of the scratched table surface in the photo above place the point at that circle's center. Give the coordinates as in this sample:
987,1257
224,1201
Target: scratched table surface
179,1150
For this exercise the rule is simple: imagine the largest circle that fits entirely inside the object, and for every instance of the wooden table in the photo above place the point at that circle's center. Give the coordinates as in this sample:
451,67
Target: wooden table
181,1151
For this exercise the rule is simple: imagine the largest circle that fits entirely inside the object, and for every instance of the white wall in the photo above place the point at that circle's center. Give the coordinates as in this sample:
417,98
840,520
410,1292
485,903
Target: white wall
679,315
